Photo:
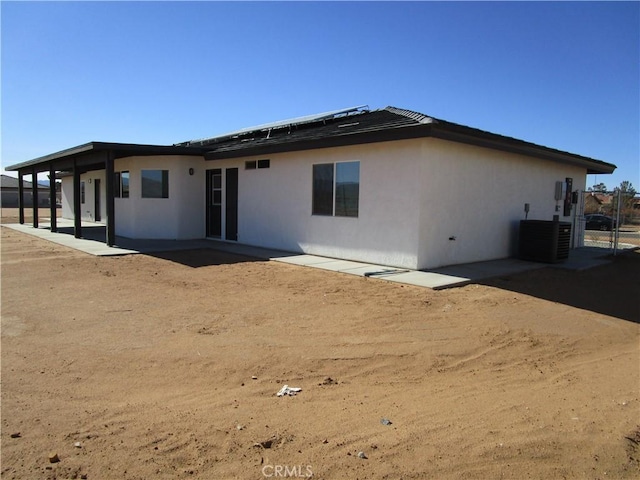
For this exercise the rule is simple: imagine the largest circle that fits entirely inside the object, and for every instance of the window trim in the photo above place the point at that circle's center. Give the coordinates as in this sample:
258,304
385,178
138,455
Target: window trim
320,199
336,192
125,192
164,183
119,190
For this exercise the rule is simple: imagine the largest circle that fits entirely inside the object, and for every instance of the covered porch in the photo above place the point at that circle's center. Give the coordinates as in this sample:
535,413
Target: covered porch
79,160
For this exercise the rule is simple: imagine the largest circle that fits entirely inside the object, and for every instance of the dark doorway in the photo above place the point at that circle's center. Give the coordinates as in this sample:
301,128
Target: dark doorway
214,203
97,216
231,207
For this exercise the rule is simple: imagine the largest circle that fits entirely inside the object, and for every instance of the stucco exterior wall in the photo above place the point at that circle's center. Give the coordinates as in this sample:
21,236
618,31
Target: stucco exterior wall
414,196
423,203
179,217
87,209
66,191
275,204
477,195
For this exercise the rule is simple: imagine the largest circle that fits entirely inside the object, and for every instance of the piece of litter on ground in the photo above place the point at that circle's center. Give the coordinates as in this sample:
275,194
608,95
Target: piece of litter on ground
287,390
362,455
265,444
385,421
253,377
77,445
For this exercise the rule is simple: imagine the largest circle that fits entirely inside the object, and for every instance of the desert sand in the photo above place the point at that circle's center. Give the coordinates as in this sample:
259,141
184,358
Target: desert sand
167,366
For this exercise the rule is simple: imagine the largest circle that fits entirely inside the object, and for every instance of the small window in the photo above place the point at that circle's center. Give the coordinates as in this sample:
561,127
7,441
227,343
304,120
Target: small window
266,163
125,184
336,189
81,192
121,184
323,189
250,165
347,189
155,183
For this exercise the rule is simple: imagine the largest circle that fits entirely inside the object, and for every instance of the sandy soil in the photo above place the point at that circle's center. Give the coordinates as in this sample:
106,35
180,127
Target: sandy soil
147,364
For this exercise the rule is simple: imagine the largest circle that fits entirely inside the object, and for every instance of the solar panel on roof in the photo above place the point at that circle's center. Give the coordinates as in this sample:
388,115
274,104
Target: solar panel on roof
283,123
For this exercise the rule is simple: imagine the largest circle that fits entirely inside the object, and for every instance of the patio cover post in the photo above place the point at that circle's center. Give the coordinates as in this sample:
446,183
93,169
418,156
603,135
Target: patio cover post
109,190
34,190
20,198
77,214
52,198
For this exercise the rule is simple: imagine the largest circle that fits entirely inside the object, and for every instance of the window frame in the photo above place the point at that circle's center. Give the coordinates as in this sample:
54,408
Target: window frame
119,184
164,184
322,189
328,180
346,203
125,192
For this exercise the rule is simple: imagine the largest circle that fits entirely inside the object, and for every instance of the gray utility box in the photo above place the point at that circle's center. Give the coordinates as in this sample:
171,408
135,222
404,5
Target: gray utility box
544,241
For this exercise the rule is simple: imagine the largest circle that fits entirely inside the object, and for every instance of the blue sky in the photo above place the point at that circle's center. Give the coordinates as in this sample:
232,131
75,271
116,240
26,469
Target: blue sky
564,75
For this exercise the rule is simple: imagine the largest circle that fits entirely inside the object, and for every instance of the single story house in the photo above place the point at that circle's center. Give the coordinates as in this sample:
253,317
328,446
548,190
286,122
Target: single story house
9,191
387,186
598,203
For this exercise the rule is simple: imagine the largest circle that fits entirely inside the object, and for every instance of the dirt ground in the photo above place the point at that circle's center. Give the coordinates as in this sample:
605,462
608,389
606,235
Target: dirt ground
167,366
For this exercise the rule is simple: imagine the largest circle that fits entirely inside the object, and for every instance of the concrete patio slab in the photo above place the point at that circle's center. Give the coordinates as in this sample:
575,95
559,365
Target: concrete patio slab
445,277
373,271
431,280
342,266
92,247
305,260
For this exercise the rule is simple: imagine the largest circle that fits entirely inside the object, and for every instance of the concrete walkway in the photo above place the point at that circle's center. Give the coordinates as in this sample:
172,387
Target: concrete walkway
445,277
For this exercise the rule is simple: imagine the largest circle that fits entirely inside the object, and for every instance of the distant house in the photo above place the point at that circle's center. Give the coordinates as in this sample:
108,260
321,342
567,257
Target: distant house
9,192
597,202
389,186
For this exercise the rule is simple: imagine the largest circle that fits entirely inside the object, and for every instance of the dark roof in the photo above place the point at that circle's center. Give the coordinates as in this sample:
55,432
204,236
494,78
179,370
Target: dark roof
96,150
353,126
364,126
11,182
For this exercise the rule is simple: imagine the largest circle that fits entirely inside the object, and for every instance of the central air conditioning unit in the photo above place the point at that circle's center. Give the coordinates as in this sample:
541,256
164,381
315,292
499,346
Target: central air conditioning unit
544,241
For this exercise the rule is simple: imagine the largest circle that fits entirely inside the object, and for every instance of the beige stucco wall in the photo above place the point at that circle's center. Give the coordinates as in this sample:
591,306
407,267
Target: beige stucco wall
414,196
477,195
275,204
87,209
179,217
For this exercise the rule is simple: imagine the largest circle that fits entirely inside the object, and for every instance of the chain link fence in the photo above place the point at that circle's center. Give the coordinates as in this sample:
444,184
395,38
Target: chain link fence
610,220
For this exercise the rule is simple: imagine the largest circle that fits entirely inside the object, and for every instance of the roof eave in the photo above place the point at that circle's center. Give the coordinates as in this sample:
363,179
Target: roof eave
69,152
120,150
441,130
480,138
